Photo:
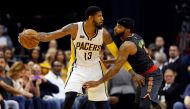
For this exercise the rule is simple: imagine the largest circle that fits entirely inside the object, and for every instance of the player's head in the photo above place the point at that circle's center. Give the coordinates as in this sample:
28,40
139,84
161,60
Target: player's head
94,14
2,62
124,25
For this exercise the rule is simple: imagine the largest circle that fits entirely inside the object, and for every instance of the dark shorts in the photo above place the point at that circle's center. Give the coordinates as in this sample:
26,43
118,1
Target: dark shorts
152,85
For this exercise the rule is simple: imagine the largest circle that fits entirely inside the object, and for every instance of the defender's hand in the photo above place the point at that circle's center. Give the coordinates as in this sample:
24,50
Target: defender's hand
140,80
91,84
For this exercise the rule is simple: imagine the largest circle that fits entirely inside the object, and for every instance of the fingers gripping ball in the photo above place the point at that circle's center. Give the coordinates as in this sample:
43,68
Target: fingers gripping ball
28,39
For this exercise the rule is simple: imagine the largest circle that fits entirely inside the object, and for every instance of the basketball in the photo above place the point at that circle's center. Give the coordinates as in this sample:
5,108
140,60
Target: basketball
27,40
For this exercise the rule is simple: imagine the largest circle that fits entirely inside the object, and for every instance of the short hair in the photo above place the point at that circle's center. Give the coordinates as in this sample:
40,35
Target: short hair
91,10
175,45
127,23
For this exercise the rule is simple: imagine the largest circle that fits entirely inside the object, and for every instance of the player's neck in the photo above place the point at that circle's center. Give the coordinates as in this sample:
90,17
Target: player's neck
126,35
89,28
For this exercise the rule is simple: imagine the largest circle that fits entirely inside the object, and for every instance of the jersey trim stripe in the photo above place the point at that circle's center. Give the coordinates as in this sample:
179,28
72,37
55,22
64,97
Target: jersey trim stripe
103,72
86,33
71,62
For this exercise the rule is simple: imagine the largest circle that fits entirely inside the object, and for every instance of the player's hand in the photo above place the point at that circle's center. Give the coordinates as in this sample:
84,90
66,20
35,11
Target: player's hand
29,34
139,80
91,84
114,99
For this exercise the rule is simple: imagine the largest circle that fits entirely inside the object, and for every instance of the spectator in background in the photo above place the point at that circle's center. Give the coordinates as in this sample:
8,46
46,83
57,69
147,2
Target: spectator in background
159,42
160,59
9,56
1,53
151,51
53,44
7,104
4,39
7,90
30,64
54,76
49,58
61,57
176,65
186,100
169,91
36,55
46,90
186,62
16,72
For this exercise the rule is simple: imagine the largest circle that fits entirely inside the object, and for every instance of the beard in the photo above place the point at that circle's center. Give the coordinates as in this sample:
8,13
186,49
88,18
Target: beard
98,25
121,34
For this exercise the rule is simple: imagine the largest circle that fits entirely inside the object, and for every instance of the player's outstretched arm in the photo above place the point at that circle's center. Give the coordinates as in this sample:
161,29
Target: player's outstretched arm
70,29
66,30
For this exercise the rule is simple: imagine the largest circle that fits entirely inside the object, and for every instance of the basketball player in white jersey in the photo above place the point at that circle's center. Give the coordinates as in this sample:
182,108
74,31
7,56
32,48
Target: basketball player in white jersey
86,40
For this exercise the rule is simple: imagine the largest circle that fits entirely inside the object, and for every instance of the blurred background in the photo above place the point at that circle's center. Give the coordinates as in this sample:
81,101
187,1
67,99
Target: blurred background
153,18
163,24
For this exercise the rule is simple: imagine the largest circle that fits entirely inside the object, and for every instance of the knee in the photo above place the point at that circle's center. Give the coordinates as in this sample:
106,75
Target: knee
178,105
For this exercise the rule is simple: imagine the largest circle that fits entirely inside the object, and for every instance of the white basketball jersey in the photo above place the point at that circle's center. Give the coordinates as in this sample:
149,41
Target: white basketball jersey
87,51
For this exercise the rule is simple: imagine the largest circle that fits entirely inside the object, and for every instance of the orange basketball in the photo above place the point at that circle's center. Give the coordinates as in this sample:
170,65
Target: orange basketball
27,39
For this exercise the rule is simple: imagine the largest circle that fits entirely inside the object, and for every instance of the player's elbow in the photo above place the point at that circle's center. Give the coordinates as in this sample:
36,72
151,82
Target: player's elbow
116,70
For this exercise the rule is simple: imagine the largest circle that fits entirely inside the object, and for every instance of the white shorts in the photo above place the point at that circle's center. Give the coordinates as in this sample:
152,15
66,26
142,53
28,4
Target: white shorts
81,74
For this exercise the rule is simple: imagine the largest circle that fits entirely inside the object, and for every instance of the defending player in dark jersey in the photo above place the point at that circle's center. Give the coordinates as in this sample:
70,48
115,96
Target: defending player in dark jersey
133,50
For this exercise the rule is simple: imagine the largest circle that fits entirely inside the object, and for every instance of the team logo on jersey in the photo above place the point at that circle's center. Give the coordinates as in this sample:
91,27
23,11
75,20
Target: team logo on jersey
88,46
81,36
141,43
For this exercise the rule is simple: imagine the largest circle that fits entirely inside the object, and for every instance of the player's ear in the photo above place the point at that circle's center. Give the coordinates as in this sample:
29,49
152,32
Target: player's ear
90,17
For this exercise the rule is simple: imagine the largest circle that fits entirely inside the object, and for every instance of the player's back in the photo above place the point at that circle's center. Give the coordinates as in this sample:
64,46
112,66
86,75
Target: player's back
86,51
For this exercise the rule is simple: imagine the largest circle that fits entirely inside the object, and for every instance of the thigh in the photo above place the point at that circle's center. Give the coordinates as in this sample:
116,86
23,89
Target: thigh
152,86
98,93
75,80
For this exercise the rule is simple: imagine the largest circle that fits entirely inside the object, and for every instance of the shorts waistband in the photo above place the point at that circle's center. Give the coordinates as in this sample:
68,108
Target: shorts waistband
150,70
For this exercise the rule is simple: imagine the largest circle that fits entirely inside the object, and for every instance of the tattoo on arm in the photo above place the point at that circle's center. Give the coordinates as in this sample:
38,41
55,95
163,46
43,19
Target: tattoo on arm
123,54
66,30
107,37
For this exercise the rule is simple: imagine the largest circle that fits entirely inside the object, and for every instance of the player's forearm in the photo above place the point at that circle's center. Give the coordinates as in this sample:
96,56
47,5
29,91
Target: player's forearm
110,74
109,61
45,37
114,51
132,72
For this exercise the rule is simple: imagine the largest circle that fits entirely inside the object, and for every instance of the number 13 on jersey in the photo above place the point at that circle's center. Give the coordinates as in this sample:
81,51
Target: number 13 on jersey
87,55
